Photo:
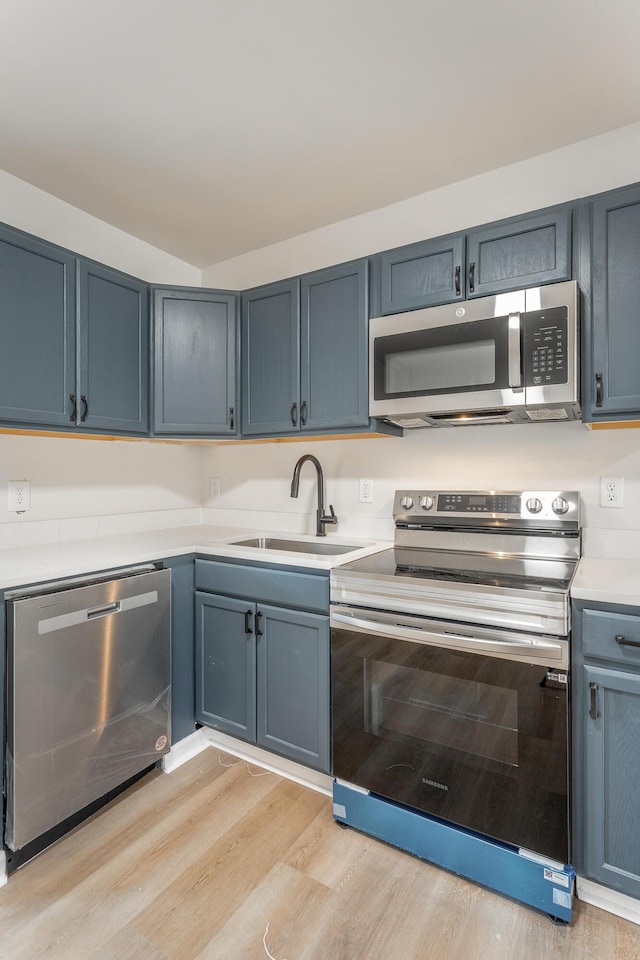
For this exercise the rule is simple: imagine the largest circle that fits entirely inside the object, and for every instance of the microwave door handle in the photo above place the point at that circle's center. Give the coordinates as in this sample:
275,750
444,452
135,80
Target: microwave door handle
514,341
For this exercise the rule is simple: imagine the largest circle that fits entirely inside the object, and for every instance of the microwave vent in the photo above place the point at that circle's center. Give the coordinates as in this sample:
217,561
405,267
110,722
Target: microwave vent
548,413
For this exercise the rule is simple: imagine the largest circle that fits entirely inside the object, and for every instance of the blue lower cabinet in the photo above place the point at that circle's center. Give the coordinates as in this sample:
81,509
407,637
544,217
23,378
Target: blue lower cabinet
293,685
262,675
606,745
226,665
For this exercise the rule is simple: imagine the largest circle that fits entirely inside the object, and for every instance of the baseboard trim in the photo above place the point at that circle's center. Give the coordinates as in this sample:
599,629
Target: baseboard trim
185,749
610,900
320,782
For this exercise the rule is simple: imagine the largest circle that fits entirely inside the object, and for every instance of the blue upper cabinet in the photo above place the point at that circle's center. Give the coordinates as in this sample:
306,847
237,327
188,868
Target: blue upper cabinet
334,349
113,374
195,355
422,275
519,252
304,353
75,341
611,255
38,330
271,359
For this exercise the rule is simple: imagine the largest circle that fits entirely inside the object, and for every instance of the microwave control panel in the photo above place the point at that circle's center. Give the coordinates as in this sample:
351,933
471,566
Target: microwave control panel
545,347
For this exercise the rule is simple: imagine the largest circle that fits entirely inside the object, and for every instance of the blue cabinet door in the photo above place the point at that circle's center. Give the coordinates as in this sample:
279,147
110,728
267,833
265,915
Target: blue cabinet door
611,387
610,707
293,685
113,375
422,274
226,665
271,359
38,332
334,383
520,252
195,354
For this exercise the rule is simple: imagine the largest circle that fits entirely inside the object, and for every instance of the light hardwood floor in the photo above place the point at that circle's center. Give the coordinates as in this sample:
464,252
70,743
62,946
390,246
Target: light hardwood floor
193,865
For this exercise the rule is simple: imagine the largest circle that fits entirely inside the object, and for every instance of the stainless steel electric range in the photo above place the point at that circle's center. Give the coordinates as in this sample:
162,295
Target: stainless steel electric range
450,682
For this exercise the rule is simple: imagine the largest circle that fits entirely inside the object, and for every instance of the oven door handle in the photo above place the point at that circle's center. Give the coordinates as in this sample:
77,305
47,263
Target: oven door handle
402,628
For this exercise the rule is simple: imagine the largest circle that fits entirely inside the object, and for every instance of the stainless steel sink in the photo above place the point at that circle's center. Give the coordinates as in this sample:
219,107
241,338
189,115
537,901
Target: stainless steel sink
318,547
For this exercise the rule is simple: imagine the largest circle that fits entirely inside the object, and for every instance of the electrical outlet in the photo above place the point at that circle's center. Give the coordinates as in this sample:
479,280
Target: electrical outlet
366,491
611,491
19,496
214,486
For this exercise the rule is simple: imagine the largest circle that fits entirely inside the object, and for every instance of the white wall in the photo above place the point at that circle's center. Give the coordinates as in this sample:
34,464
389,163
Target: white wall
84,488
255,479
27,208
582,169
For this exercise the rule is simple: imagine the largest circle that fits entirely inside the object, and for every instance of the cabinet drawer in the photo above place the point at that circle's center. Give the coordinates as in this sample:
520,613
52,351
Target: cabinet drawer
282,587
611,636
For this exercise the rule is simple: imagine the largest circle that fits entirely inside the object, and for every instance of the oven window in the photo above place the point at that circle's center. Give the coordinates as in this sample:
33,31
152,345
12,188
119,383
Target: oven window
478,719
453,365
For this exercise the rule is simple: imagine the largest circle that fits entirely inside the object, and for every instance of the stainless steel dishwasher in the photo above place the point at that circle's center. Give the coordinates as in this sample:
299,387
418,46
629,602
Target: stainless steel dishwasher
88,695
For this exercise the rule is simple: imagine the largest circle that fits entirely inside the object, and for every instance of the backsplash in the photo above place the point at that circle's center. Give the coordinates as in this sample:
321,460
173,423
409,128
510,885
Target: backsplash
255,479
88,488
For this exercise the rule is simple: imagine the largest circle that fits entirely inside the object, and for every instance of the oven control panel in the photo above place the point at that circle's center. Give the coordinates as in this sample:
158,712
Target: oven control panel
480,502
535,508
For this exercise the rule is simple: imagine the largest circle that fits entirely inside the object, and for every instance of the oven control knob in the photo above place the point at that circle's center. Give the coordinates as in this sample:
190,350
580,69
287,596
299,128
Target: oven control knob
426,503
406,503
534,505
560,505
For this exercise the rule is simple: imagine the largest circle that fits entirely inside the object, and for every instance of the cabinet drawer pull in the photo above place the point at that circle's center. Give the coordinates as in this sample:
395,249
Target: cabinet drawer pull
74,410
258,619
593,711
626,643
303,413
472,270
598,389
231,418
457,280
247,621
293,413
85,412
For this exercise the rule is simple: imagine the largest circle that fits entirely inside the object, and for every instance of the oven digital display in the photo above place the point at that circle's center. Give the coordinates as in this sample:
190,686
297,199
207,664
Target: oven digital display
474,503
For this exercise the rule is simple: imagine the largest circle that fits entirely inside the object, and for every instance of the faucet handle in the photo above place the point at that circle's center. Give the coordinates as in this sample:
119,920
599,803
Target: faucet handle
331,518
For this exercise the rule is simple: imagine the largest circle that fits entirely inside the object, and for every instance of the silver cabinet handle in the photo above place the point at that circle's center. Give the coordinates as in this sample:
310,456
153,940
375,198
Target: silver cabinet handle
593,710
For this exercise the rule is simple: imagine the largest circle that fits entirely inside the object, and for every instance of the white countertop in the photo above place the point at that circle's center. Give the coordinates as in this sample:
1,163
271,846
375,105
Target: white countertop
607,581
598,579
20,566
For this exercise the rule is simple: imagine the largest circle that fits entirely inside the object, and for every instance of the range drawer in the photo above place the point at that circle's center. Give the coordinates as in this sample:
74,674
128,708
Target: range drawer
611,636
287,588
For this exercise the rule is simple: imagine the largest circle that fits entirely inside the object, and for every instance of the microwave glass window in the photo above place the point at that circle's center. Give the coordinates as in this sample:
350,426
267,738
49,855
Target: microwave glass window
449,366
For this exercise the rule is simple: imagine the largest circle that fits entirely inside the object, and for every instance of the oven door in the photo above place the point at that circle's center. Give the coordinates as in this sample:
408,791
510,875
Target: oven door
464,723
449,358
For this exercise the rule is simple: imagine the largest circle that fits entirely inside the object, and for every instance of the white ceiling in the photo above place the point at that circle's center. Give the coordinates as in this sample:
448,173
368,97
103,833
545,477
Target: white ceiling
214,127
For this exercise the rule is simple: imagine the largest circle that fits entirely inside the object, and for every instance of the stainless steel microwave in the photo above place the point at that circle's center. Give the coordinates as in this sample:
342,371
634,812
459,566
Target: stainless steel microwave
511,358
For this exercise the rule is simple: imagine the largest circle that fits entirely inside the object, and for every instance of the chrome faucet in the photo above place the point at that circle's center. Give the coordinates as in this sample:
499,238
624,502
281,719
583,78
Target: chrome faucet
321,517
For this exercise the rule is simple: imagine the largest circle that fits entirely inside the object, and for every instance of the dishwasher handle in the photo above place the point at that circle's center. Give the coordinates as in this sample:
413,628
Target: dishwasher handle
104,611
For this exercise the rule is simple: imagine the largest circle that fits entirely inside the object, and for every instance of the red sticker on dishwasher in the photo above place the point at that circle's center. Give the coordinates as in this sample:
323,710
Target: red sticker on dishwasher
161,742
